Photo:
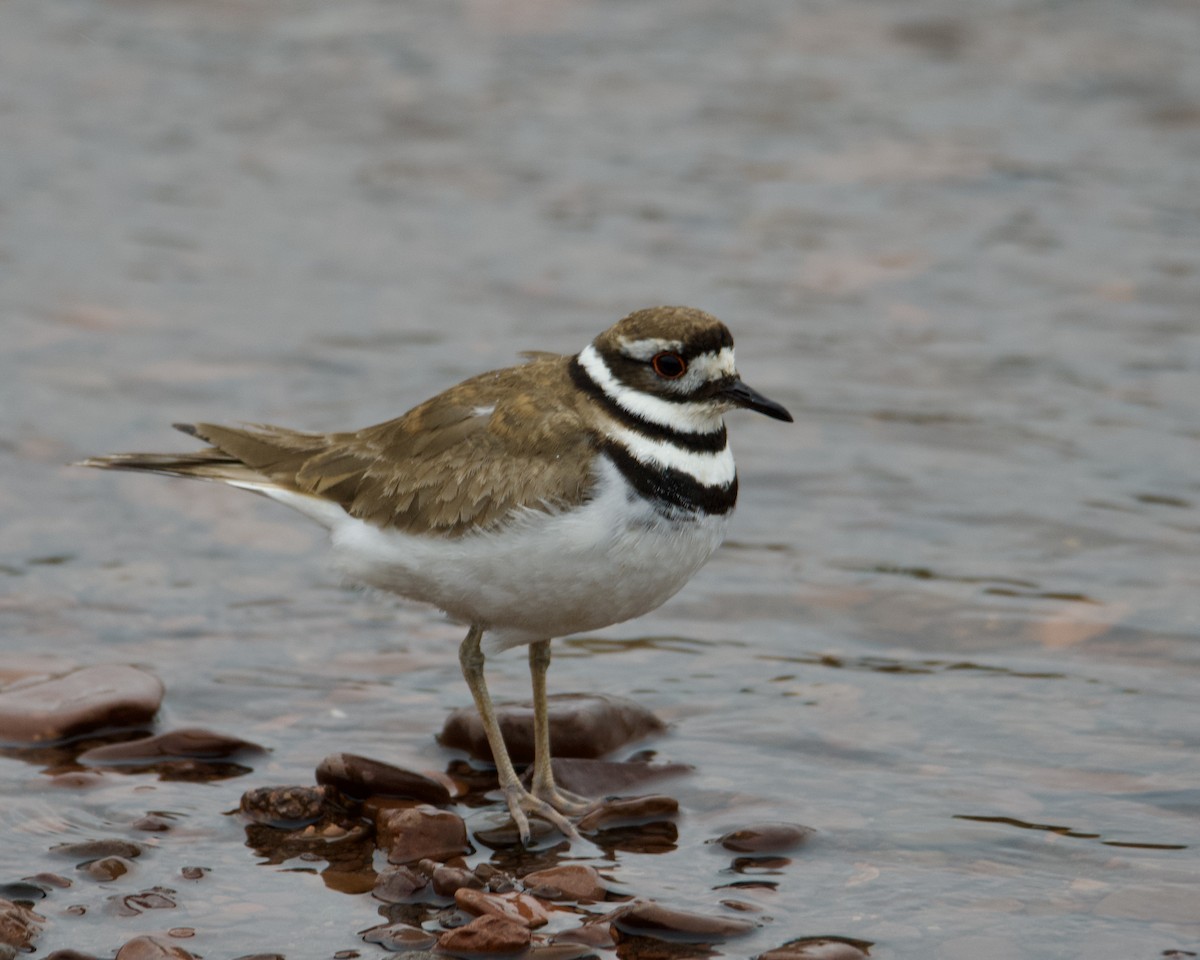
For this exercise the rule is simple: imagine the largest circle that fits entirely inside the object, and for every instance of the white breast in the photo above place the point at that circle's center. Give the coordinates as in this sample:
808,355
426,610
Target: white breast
543,576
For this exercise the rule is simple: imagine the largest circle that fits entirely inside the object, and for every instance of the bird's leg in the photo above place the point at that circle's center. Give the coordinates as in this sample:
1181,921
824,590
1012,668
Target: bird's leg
543,785
520,801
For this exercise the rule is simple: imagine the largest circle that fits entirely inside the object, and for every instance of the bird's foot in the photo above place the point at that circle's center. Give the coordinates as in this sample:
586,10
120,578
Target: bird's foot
564,801
521,804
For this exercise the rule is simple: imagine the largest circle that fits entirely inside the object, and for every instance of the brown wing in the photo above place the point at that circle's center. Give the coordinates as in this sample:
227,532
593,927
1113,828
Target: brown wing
468,458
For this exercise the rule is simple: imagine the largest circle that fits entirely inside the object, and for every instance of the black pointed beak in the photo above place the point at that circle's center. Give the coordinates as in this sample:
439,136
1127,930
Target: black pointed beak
741,395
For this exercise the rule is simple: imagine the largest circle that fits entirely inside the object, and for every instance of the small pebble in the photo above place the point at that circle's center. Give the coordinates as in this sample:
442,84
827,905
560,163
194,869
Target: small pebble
400,937
399,885
284,806
362,777
649,919
153,948
627,811
573,882
820,948
766,838
421,832
518,907
82,701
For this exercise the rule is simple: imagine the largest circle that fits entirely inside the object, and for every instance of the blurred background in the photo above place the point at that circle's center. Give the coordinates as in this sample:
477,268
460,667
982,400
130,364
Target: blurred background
961,242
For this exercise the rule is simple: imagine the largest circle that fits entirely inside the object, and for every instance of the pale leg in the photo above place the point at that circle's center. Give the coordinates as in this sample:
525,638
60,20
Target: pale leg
543,785
520,801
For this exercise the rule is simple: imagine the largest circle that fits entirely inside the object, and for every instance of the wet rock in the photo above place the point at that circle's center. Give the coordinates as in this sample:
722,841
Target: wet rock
581,725
598,933
771,837
189,743
361,777
421,832
50,880
19,926
155,898
518,907
493,935
505,834
23,890
820,948
153,823
572,881
284,806
446,879
628,810
83,701
70,955
399,885
649,919
95,849
105,869
400,937
602,778
153,948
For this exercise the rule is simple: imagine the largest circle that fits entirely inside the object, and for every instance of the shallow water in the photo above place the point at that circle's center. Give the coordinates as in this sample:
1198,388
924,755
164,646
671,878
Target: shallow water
956,630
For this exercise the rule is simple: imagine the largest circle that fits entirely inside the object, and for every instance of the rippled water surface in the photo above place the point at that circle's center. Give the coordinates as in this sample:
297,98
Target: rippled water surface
957,627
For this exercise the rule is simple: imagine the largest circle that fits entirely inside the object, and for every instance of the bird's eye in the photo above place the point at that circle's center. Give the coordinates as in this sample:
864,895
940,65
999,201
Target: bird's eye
669,366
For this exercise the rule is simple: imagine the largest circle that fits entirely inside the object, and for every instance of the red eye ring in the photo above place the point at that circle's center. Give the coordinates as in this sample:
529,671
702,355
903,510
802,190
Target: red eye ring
669,366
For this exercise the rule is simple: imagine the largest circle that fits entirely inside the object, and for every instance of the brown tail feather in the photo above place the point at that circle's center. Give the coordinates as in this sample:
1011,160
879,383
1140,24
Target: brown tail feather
203,465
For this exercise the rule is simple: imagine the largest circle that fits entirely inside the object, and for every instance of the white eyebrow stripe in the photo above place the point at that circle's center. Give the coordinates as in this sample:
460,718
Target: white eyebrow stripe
682,417
646,347
715,469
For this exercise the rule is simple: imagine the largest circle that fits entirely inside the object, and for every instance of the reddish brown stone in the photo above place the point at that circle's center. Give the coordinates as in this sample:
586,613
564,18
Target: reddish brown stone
421,832
493,935
518,907
581,725
628,810
153,948
598,934
571,881
82,701
19,926
362,777
820,948
769,837
188,743
649,919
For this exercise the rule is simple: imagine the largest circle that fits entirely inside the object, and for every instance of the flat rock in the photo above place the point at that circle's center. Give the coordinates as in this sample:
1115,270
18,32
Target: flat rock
447,880
362,777
83,701
820,948
400,937
603,778
569,881
627,811
86,850
153,948
649,919
581,725
19,926
490,935
422,832
769,837
191,743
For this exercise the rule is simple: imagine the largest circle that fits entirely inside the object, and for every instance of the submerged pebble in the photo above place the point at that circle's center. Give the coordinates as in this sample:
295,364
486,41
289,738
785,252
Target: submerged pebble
581,725
188,743
626,811
820,948
400,937
520,908
649,919
288,805
153,948
83,701
772,837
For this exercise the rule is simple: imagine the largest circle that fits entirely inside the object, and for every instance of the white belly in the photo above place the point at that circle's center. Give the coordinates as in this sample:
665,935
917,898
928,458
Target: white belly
546,575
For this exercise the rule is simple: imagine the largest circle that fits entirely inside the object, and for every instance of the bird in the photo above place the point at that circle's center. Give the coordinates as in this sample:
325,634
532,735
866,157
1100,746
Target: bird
558,496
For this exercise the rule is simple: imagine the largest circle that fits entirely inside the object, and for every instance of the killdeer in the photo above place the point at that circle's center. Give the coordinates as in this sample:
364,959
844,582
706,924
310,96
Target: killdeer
556,497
